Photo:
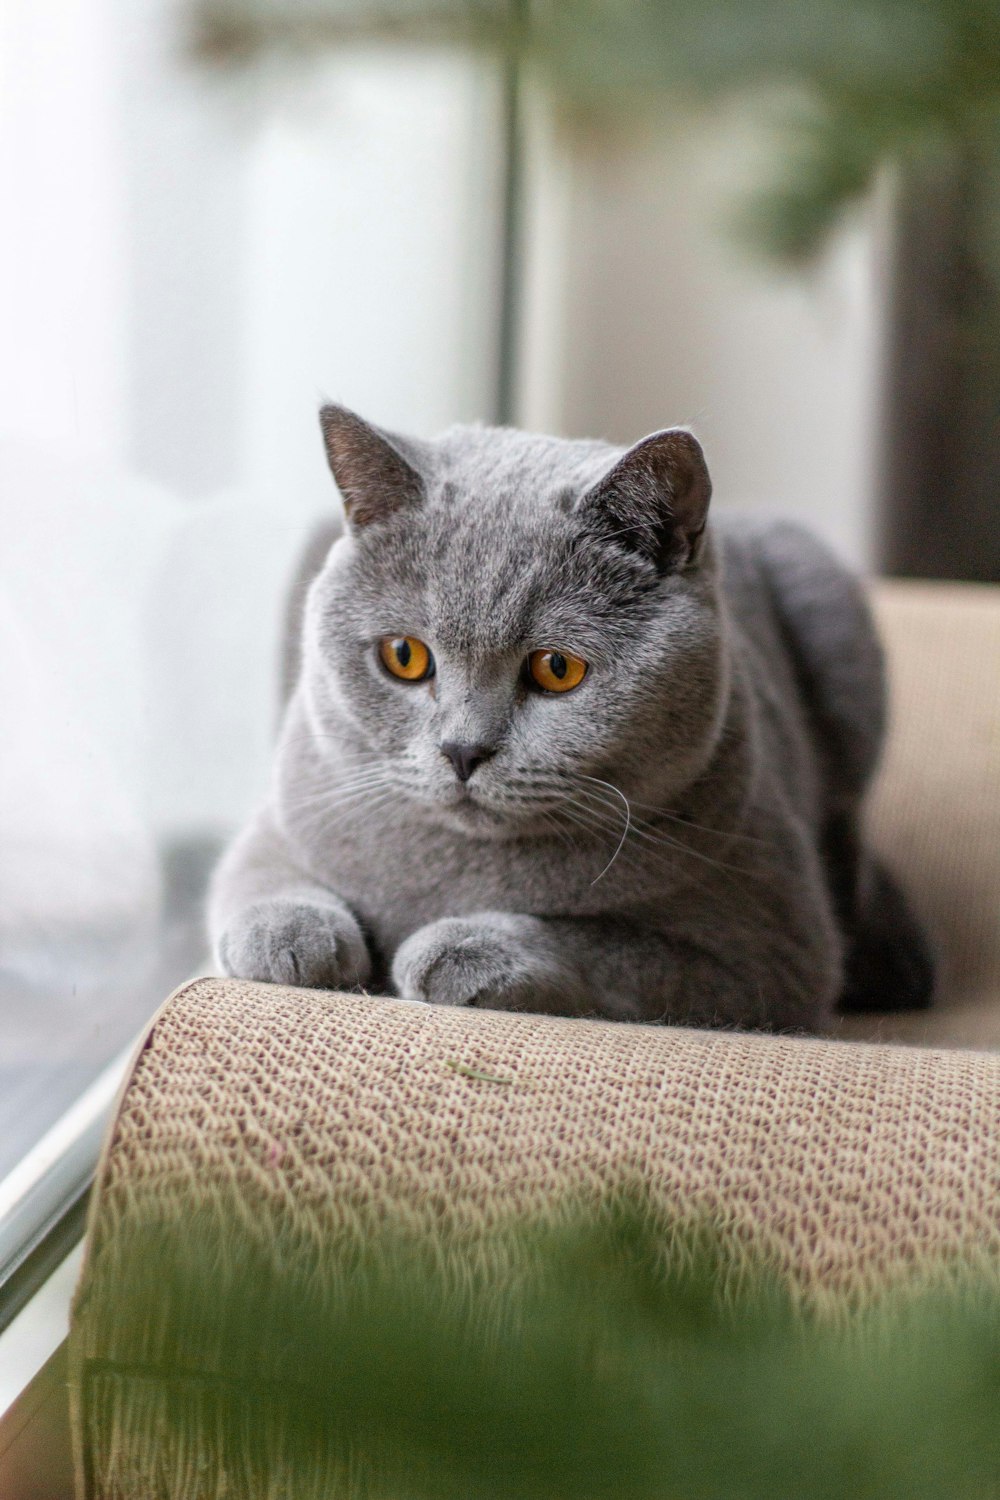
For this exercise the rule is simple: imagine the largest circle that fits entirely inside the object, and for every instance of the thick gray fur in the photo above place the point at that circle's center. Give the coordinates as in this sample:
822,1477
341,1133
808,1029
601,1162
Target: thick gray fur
677,839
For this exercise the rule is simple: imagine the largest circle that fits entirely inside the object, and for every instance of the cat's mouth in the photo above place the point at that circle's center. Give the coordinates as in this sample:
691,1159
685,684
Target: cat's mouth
471,802
473,810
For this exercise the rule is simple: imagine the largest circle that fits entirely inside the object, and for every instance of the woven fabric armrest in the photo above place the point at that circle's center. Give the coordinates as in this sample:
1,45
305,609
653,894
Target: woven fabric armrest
320,1114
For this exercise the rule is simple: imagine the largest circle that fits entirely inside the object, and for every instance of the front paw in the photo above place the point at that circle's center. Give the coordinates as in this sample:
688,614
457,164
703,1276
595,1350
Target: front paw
294,942
494,960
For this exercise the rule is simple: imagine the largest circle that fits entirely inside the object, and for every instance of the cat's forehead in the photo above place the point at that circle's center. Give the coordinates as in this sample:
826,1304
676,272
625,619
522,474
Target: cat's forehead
493,556
505,464
483,578
488,588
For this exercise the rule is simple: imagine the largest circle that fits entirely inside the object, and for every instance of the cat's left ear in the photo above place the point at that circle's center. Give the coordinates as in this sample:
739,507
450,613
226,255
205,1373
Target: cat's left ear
655,499
377,473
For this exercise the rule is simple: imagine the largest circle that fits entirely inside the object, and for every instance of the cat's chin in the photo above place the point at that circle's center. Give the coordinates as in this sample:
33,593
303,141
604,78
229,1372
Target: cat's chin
472,815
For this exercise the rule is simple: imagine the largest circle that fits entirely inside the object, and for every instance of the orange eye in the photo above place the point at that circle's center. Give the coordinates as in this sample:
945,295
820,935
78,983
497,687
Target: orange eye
556,671
406,657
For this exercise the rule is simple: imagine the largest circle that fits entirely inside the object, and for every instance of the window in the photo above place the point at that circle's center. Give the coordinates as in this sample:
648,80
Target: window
195,263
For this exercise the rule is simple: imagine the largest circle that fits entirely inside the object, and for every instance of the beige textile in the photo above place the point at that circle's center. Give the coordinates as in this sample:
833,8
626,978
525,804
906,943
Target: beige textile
936,807
850,1165
843,1160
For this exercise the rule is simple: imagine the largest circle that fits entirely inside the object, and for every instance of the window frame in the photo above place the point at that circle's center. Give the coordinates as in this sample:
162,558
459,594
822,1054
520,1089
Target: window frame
43,1199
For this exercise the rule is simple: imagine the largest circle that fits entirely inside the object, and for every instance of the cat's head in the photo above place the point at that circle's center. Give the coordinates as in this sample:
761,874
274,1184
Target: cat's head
513,621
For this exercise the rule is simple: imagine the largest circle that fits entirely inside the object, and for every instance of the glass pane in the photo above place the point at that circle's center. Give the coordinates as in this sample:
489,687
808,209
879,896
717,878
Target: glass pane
191,261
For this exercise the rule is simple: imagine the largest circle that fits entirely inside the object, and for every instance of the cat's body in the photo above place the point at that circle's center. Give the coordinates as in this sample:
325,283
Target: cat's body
678,838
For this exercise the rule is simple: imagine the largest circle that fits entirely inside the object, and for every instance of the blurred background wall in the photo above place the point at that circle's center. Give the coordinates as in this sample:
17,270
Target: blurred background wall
641,311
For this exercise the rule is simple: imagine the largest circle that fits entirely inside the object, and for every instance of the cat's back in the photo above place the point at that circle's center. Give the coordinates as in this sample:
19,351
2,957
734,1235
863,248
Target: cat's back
804,624
767,560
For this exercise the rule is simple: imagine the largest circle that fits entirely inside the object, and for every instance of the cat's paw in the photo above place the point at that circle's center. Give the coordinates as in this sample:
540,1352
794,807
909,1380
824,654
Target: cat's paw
493,960
294,942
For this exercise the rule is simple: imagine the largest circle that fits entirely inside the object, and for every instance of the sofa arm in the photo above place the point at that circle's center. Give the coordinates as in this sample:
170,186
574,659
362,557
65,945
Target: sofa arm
302,1119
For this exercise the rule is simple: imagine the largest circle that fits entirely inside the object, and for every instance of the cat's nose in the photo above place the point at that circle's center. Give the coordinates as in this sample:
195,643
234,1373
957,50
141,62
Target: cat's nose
465,758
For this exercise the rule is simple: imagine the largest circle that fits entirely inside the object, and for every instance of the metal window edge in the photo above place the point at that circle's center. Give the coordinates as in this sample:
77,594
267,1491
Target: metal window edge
42,1198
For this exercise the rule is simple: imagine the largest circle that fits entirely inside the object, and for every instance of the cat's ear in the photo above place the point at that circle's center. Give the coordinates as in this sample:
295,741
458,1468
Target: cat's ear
655,498
377,473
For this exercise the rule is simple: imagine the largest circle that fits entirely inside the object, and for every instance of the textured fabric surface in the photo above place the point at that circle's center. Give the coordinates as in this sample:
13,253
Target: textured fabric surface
936,806
304,1119
277,1107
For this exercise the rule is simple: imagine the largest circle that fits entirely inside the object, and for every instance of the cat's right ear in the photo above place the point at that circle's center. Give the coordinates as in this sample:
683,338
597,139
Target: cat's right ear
655,499
376,472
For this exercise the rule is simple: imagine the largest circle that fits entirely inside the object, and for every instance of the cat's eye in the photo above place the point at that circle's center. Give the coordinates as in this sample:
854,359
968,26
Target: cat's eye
555,671
406,657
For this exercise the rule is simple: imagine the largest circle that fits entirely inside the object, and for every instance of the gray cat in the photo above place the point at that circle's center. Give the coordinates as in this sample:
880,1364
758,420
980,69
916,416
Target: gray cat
558,745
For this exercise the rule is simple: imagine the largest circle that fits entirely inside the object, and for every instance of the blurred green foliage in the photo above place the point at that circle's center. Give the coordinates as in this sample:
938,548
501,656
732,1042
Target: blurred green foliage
608,1368
856,84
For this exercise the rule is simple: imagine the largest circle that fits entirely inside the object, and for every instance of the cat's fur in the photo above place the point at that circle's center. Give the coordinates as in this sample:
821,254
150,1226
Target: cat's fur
678,839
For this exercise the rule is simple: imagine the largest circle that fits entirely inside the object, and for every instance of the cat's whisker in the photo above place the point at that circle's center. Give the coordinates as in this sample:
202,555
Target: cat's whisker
641,830
656,841
583,819
672,816
322,823
343,798
329,804
551,821
685,822
648,851
596,823
328,798
375,777
543,802
600,830
357,794
625,830
608,818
